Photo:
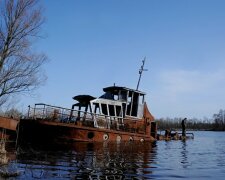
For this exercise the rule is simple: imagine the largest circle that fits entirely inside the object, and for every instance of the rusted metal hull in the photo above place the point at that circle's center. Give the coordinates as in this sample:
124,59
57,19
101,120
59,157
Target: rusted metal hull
9,125
35,131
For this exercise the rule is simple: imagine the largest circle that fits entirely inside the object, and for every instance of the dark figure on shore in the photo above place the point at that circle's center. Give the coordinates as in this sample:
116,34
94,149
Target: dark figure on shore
167,133
183,124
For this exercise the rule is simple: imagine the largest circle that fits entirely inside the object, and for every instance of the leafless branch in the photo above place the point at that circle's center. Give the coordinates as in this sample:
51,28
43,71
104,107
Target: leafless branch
20,22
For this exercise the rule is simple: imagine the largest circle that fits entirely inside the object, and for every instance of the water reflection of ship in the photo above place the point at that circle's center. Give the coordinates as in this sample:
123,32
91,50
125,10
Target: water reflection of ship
8,154
114,160
3,157
82,160
8,167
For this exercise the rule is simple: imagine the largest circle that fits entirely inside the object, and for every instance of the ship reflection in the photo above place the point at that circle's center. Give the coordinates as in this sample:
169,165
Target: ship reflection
114,161
94,160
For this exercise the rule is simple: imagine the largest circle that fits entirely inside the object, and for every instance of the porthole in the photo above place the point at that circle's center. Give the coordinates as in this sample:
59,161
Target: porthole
90,135
105,137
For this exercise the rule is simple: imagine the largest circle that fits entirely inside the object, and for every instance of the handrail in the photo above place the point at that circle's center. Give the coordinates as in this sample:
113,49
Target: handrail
73,110
47,112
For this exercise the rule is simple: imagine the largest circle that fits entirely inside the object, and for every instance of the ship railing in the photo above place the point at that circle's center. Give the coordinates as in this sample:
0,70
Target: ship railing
120,123
47,112
64,115
108,122
58,114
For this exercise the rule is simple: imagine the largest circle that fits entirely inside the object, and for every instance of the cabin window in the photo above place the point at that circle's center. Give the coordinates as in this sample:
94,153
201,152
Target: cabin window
96,108
107,95
141,99
123,95
124,109
128,109
116,97
111,110
129,105
118,111
135,104
129,99
104,109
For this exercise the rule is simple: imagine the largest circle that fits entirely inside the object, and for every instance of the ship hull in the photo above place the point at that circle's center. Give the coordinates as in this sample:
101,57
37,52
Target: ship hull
35,131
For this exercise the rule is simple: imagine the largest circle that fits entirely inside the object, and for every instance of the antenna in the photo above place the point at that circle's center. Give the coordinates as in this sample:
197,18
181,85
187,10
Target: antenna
140,72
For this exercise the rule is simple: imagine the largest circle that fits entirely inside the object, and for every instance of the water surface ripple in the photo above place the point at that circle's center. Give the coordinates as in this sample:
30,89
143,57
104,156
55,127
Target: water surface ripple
201,158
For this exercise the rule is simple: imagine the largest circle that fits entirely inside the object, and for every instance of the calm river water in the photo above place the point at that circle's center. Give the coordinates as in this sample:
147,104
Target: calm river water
201,158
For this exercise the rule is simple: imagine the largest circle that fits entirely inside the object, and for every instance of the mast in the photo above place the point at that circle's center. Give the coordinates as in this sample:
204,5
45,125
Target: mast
140,72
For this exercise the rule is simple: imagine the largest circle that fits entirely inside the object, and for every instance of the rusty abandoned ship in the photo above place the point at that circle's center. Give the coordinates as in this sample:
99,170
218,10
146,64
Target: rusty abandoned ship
120,114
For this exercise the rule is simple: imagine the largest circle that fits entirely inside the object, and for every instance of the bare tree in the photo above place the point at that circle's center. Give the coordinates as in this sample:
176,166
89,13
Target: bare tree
20,67
13,113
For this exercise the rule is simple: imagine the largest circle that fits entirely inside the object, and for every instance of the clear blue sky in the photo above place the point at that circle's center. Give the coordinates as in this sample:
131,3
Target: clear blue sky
93,44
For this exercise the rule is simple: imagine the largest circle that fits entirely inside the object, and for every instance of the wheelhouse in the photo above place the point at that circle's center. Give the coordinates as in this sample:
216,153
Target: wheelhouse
117,108
119,102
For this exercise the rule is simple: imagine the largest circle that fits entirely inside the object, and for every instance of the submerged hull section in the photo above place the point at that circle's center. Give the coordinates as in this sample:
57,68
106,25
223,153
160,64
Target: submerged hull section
35,131
8,128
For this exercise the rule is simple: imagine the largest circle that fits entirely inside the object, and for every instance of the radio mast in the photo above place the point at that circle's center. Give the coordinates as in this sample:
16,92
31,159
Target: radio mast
140,72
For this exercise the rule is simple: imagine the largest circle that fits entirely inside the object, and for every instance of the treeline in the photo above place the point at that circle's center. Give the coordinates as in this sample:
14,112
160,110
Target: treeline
217,123
12,113
191,124
219,120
